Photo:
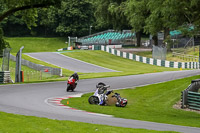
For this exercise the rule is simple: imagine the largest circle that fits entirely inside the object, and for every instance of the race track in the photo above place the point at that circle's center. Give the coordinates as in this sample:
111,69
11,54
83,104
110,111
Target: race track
68,62
33,100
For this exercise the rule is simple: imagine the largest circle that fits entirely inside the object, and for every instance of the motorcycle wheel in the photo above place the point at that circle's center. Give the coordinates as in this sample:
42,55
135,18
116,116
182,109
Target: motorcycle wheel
123,105
68,87
93,100
73,88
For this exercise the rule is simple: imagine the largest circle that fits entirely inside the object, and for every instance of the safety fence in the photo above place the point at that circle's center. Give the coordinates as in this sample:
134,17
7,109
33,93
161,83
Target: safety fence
159,52
29,75
158,62
190,97
185,56
38,67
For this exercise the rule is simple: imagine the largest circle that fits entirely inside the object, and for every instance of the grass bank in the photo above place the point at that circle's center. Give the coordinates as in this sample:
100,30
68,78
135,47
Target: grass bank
36,44
124,66
149,103
10,123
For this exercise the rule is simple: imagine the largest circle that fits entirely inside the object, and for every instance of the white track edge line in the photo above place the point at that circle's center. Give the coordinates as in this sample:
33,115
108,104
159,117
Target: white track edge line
87,62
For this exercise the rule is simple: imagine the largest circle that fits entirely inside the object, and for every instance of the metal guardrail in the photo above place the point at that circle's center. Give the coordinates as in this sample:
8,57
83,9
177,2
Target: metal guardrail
193,100
5,77
190,97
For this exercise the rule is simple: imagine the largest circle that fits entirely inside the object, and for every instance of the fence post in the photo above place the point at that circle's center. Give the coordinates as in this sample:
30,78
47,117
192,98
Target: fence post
40,75
27,76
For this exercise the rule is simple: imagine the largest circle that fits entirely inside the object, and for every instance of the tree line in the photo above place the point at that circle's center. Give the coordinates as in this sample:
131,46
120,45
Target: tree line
150,16
74,17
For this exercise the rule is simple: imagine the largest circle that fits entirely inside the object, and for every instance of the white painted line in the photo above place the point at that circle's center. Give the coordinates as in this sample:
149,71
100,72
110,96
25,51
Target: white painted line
43,61
97,114
86,62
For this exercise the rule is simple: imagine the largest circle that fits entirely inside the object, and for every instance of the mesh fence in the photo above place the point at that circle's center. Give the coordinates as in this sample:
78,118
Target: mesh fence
186,49
38,67
6,57
159,52
33,75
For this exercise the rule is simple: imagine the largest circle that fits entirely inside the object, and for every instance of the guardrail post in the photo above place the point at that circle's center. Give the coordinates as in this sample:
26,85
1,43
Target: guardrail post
182,99
18,65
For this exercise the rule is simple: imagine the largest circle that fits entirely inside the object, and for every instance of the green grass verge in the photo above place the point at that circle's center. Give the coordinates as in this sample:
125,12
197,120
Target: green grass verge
36,44
149,103
10,123
124,66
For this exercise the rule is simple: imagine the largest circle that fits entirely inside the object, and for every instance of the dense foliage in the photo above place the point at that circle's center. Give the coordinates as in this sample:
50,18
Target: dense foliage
150,16
73,18
3,43
67,18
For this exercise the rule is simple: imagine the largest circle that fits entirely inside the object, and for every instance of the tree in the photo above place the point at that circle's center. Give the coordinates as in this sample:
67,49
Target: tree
11,6
166,15
3,43
25,7
182,15
137,12
154,22
74,17
110,13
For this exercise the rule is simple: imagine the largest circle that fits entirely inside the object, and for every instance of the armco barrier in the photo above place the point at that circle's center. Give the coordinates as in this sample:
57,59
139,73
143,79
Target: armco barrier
164,63
38,67
193,100
5,77
190,97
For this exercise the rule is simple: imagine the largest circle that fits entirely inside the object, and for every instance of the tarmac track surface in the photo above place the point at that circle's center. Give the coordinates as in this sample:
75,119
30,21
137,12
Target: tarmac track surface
68,62
32,100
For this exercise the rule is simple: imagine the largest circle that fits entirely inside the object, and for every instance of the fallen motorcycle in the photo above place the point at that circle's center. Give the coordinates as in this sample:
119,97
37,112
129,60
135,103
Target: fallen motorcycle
101,96
121,102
